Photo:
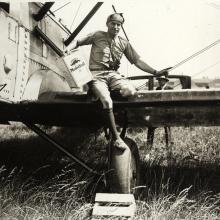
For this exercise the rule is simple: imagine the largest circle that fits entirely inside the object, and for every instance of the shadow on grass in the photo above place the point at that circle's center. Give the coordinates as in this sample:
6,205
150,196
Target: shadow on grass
204,177
36,159
27,154
33,154
30,152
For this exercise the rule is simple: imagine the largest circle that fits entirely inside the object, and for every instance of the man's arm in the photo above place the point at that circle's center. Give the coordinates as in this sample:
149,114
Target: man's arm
80,42
145,67
135,59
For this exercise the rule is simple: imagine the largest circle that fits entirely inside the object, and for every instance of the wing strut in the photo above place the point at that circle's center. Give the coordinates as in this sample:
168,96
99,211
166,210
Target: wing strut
43,11
122,25
58,146
82,24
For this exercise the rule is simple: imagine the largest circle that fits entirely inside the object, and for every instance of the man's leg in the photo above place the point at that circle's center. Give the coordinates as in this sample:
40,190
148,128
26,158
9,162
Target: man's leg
100,89
150,137
110,122
121,84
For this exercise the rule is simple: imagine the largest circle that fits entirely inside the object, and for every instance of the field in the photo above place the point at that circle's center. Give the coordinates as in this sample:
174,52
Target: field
38,182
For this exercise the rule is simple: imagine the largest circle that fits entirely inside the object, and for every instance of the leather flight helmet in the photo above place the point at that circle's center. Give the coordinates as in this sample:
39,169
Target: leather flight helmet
116,17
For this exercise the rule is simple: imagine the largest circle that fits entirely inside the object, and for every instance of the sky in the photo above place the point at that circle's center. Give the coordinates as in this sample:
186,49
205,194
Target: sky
163,32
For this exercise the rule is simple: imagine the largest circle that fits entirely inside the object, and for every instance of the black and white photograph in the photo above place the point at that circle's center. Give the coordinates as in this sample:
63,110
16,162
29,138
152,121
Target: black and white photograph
110,110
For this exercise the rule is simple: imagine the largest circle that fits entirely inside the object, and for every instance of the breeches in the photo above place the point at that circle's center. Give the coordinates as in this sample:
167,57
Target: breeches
103,84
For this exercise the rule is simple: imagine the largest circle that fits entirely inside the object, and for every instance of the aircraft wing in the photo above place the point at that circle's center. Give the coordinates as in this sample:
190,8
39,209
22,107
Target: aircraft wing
148,108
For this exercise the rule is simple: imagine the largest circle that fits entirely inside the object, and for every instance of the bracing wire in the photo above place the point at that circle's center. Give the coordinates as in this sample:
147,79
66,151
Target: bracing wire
121,25
141,86
206,68
201,71
75,15
126,36
61,7
196,54
188,58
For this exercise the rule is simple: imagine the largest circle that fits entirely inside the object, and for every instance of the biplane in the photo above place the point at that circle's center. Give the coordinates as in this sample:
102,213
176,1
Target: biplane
36,88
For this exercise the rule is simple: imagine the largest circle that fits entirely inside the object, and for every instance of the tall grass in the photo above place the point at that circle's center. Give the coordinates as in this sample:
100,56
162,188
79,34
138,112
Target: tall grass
38,182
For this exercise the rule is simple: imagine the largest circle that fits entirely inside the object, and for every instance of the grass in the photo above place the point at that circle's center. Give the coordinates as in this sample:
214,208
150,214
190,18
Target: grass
38,182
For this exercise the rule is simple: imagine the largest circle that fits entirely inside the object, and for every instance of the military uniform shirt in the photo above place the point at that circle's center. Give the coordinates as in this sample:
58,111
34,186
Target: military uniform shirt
105,50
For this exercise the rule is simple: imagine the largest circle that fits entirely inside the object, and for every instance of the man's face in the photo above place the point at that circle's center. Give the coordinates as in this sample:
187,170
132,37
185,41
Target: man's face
162,82
113,28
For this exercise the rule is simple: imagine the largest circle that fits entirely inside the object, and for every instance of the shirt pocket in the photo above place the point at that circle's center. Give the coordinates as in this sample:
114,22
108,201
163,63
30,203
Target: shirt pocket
102,54
117,53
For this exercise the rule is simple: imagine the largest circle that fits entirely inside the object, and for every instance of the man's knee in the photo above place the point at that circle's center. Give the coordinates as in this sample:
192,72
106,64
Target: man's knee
128,90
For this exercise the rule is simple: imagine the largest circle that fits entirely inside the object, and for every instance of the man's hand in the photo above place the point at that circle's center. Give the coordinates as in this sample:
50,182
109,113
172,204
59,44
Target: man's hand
163,72
72,47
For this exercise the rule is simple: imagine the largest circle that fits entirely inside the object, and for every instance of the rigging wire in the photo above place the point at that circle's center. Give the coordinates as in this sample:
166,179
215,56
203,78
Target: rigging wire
195,74
205,69
141,86
196,54
188,58
75,15
61,7
121,25
114,9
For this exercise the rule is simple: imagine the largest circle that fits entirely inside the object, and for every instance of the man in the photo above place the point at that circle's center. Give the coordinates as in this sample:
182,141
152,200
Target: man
106,52
163,83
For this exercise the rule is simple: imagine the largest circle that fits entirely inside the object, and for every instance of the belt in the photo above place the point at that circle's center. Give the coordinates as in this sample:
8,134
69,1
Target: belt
102,69
103,72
